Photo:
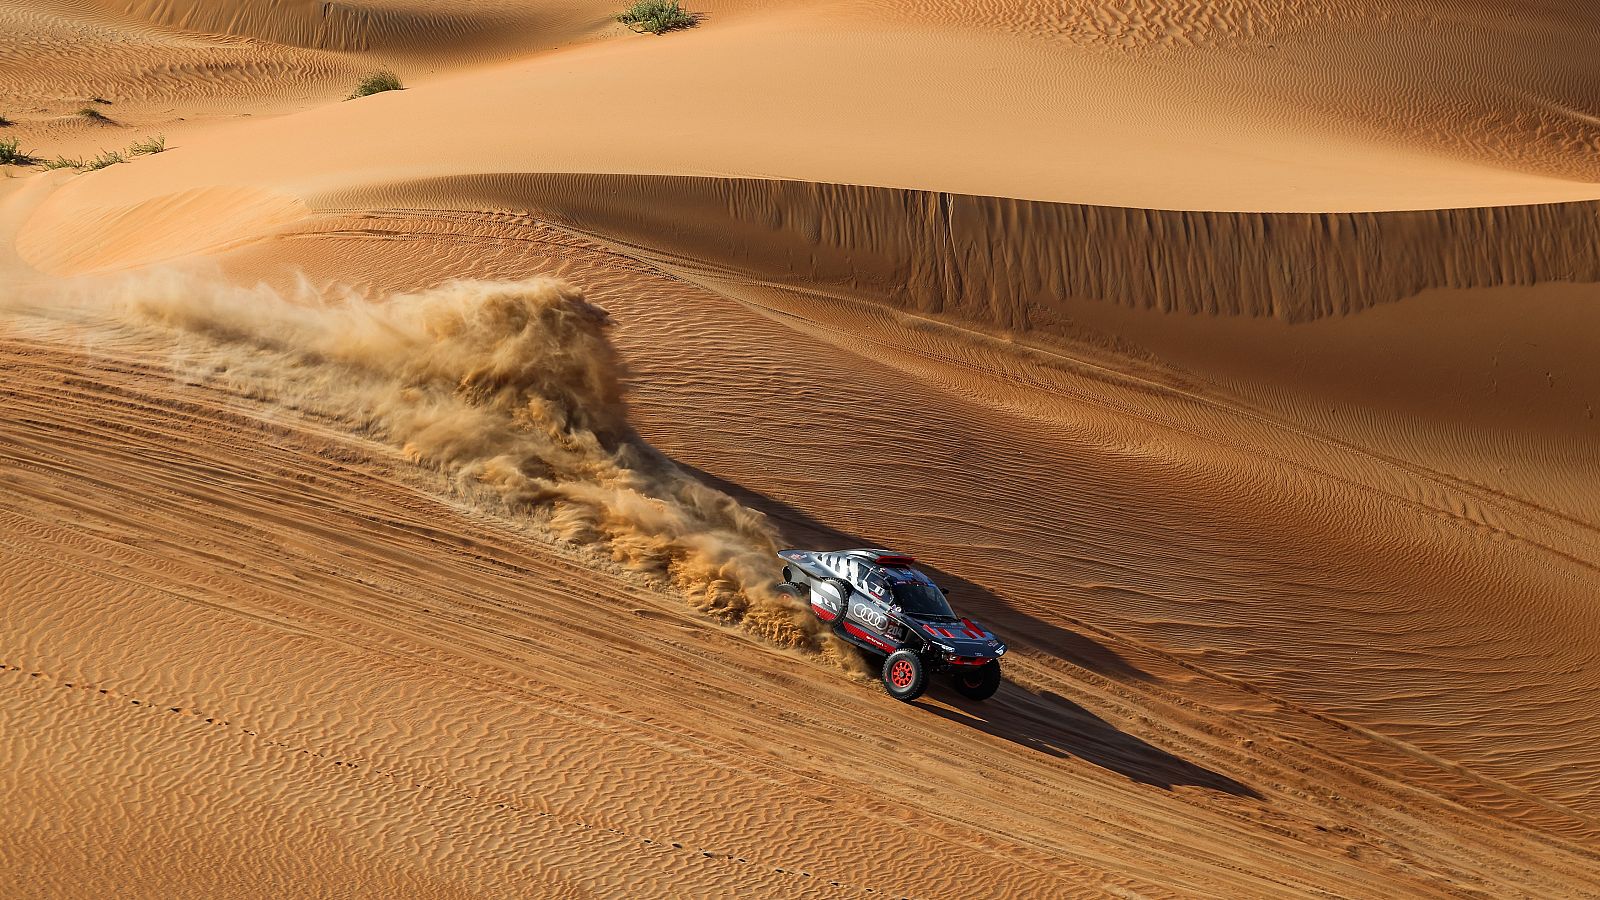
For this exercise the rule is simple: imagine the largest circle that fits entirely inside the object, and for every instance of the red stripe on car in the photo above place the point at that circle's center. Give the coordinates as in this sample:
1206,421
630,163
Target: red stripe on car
867,637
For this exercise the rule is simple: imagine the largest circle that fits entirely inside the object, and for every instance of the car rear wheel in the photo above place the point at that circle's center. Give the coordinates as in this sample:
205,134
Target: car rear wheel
841,588
977,682
904,675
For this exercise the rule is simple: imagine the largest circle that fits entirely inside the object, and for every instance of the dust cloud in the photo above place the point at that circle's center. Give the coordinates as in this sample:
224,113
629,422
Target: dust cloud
510,389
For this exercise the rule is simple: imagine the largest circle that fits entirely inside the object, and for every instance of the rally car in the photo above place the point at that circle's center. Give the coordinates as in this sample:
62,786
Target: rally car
878,601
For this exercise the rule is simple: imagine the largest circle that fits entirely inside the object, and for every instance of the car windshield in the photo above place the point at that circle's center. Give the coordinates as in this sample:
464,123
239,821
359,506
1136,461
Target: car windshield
919,599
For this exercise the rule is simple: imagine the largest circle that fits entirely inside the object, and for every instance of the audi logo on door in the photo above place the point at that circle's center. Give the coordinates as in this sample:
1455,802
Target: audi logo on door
866,615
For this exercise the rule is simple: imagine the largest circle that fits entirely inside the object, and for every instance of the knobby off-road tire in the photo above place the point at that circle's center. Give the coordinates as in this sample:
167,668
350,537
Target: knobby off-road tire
843,589
904,675
977,682
797,591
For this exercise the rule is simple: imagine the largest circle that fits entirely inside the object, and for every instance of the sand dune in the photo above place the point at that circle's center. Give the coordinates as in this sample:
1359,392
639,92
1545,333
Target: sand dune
309,645
159,66
1195,132
389,484
406,27
1214,454
1508,87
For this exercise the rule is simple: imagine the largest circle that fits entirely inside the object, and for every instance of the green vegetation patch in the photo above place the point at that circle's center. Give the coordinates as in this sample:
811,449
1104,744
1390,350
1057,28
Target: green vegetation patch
11,156
106,158
377,83
656,16
157,144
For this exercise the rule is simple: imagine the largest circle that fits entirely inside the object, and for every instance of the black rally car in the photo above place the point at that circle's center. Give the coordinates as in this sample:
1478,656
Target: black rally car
878,601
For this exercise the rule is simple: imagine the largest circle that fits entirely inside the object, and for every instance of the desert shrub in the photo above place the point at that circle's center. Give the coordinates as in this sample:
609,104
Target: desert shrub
5,122
93,115
656,16
157,144
11,156
377,83
106,158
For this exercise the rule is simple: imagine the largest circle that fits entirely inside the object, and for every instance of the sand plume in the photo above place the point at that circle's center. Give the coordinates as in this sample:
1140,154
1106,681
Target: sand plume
510,389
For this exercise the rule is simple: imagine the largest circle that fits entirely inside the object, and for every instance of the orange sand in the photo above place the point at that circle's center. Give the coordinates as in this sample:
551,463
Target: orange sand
1233,359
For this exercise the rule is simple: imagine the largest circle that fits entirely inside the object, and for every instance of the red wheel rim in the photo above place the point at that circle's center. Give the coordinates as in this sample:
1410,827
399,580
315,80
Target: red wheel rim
901,673
972,681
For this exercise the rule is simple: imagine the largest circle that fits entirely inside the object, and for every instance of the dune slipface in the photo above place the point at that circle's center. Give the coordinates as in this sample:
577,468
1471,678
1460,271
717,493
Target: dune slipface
1019,265
389,487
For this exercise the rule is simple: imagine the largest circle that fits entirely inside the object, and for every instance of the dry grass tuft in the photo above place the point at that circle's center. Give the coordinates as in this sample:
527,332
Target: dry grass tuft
377,83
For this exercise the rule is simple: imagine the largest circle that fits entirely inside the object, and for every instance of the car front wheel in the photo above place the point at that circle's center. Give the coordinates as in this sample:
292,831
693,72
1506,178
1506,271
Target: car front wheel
904,675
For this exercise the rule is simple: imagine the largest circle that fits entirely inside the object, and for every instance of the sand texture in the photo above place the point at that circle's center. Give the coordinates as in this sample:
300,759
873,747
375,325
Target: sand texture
389,486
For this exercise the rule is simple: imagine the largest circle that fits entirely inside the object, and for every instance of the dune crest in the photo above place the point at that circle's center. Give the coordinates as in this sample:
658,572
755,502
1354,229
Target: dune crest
343,26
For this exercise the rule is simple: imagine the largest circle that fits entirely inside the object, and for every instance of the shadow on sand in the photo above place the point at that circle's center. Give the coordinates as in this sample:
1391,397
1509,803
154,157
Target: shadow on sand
1046,722
1054,725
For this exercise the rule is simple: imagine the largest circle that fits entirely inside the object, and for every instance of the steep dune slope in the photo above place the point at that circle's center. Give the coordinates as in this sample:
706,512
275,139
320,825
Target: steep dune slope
1225,517
426,682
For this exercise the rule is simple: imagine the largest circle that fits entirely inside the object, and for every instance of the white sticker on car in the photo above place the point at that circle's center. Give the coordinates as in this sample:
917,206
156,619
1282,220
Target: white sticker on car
869,616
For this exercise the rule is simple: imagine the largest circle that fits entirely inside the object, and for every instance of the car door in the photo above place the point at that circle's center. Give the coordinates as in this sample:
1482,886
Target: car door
883,598
868,602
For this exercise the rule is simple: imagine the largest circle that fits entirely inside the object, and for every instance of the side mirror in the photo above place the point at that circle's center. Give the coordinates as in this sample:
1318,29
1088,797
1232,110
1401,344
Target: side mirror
944,590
